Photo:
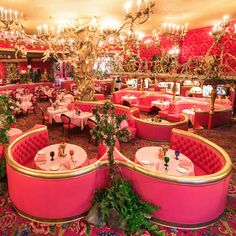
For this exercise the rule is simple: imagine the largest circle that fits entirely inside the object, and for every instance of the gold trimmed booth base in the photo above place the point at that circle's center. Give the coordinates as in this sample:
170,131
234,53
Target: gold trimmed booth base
153,220
49,221
185,226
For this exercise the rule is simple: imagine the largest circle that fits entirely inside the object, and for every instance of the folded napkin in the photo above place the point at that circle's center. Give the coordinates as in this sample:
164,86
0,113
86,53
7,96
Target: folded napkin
41,158
67,165
185,163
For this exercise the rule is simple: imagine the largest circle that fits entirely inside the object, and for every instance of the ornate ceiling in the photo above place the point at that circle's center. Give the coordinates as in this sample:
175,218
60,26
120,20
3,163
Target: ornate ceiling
197,13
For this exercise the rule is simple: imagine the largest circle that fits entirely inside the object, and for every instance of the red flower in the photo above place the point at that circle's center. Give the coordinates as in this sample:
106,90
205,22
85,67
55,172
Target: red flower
7,221
39,228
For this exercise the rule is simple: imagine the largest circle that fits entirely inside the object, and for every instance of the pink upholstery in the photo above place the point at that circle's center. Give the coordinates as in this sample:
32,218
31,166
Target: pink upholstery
221,117
102,149
201,119
180,203
99,97
204,157
25,150
28,86
187,201
175,117
157,131
2,150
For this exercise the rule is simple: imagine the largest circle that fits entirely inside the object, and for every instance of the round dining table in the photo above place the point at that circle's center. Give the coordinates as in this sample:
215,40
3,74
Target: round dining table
148,157
43,160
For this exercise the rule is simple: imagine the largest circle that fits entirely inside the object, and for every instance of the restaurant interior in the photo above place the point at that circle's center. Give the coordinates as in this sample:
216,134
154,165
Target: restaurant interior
118,117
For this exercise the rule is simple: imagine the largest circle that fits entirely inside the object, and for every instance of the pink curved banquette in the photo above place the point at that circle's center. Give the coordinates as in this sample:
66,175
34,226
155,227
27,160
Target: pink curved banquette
158,131
188,201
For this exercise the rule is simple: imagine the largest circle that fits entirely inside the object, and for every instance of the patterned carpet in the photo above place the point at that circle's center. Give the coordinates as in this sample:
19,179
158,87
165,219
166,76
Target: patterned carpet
13,224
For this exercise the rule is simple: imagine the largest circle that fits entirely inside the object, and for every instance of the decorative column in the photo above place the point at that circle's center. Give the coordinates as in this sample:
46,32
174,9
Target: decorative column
212,108
174,88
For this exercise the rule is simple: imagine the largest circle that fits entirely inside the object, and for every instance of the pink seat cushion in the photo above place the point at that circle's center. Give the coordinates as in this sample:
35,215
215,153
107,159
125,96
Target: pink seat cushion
163,114
173,117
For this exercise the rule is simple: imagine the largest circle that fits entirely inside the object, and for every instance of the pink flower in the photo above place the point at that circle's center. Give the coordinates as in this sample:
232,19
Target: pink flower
39,228
78,227
7,221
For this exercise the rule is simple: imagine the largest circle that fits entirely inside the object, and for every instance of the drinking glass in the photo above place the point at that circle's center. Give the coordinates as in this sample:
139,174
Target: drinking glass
166,160
177,153
52,154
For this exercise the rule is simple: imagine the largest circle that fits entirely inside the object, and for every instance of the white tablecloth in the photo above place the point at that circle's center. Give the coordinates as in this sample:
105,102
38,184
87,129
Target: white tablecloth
148,157
78,120
24,98
61,163
52,113
190,114
23,105
161,105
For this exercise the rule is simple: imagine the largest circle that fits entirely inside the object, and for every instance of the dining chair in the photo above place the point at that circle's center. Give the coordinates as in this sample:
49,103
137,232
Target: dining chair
66,124
33,107
43,96
45,117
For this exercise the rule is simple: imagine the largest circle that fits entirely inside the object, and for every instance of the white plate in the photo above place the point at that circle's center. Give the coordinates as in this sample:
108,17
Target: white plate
145,162
41,153
182,170
54,167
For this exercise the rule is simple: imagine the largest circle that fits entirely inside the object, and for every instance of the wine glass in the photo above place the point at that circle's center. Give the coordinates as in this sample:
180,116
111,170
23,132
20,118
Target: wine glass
166,160
177,153
52,153
71,155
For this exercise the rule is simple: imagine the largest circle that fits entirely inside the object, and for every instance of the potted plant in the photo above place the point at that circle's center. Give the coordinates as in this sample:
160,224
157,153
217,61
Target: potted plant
6,119
117,205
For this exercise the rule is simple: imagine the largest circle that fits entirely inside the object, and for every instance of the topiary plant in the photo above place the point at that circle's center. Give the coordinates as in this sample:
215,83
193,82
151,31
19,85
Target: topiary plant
118,205
6,119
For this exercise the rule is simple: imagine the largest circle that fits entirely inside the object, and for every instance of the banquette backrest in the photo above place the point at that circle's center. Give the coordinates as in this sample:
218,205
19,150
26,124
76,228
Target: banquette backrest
86,106
221,117
201,154
24,151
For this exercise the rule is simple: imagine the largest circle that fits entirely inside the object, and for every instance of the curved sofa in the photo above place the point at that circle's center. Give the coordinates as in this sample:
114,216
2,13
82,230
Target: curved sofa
158,131
187,201
30,86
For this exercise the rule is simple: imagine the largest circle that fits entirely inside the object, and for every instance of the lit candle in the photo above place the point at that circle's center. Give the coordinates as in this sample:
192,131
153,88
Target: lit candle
1,9
5,14
169,27
234,28
177,28
186,27
139,3
15,15
10,15
128,6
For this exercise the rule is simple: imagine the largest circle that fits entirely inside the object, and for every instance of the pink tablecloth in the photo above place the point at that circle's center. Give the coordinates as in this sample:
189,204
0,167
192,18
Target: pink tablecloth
13,132
78,120
43,158
24,105
148,157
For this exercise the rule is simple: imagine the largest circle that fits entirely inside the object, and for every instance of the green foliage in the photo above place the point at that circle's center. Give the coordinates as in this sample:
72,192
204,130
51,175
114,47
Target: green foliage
6,117
134,212
108,128
2,169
